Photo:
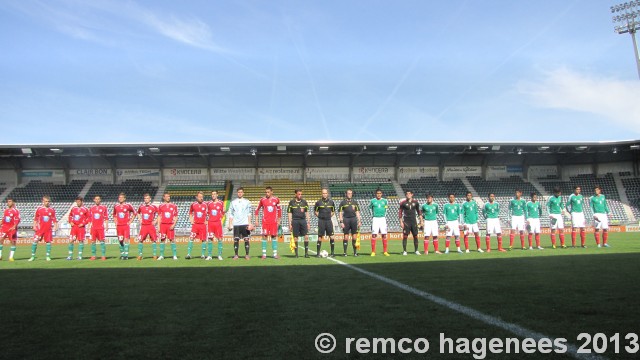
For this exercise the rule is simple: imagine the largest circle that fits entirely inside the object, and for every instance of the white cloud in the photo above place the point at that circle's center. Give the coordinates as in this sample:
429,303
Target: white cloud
612,99
99,20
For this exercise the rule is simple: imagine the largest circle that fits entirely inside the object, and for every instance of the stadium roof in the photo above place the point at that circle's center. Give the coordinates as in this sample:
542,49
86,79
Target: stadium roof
313,147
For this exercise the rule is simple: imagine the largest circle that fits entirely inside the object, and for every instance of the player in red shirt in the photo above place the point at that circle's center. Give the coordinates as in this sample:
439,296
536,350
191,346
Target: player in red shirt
78,219
198,217
148,218
44,224
123,213
168,213
271,214
215,211
99,223
9,229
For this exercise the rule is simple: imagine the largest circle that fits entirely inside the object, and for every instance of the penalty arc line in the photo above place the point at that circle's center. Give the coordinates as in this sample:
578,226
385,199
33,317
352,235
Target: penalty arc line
474,314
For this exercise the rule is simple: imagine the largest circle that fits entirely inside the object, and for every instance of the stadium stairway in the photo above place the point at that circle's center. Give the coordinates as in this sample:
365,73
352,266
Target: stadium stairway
474,192
623,197
539,188
398,188
84,192
158,198
6,193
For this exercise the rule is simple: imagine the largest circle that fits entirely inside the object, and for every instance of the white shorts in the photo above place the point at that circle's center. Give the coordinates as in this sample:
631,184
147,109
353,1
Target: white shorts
493,227
535,226
453,228
471,229
431,228
559,221
379,225
603,221
577,220
517,223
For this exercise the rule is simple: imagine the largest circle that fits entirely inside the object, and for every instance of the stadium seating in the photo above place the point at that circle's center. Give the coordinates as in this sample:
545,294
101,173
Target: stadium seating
183,194
588,182
439,189
363,192
284,190
632,188
133,188
29,197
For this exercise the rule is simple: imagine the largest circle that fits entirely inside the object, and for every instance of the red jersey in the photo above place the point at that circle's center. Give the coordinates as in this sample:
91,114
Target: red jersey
98,214
167,211
147,213
11,217
45,216
122,213
271,210
215,209
79,216
199,212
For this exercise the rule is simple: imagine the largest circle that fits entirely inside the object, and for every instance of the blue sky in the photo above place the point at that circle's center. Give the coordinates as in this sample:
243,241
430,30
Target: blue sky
145,71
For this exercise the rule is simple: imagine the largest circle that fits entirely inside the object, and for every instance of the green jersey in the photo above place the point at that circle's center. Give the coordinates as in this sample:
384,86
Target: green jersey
534,210
599,204
378,207
470,212
452,212
517,207
491,210
555,204
430,211
574,204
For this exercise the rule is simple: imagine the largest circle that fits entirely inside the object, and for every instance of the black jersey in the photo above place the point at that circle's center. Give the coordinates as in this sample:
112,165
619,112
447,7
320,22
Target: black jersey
348,207
409,209
324,208
298,209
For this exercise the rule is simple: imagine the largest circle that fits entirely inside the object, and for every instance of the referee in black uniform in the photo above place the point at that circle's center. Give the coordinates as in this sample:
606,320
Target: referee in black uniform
325,209
349,220
299,220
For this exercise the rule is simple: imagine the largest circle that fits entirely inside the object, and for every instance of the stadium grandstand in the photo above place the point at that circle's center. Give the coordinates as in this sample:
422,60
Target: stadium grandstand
64,172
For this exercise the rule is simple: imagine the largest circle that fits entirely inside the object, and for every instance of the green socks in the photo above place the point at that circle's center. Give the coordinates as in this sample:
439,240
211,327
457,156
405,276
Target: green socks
154,248
209,247
162,247
48,247
140,248
264,246
219,247
174,249
274,246
93,249
103,248
34,246
204,247
189,247
71,248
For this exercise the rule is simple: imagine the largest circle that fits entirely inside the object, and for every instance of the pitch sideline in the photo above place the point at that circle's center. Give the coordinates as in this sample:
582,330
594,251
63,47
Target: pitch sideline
474,314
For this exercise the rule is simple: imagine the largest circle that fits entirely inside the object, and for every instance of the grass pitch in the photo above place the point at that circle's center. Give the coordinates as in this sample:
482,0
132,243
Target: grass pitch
275,308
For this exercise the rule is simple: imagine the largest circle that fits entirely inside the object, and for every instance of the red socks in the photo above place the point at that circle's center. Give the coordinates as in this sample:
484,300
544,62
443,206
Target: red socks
384,242
530,240
537,240
597,236
583,236
373,243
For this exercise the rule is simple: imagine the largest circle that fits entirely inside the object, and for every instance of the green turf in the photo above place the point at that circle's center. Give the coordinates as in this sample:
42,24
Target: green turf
275,308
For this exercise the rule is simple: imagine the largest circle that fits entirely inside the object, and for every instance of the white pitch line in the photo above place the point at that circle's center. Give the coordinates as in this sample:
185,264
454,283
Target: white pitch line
475,314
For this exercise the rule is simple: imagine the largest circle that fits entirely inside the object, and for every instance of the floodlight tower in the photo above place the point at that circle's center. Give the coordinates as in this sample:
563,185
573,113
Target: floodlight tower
627,19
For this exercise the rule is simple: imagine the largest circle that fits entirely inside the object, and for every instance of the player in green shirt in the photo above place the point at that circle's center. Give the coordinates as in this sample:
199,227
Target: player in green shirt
555,205
378,207
533,213
574,207
429,224
516,209
600,215
452,214
491,212
470,219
